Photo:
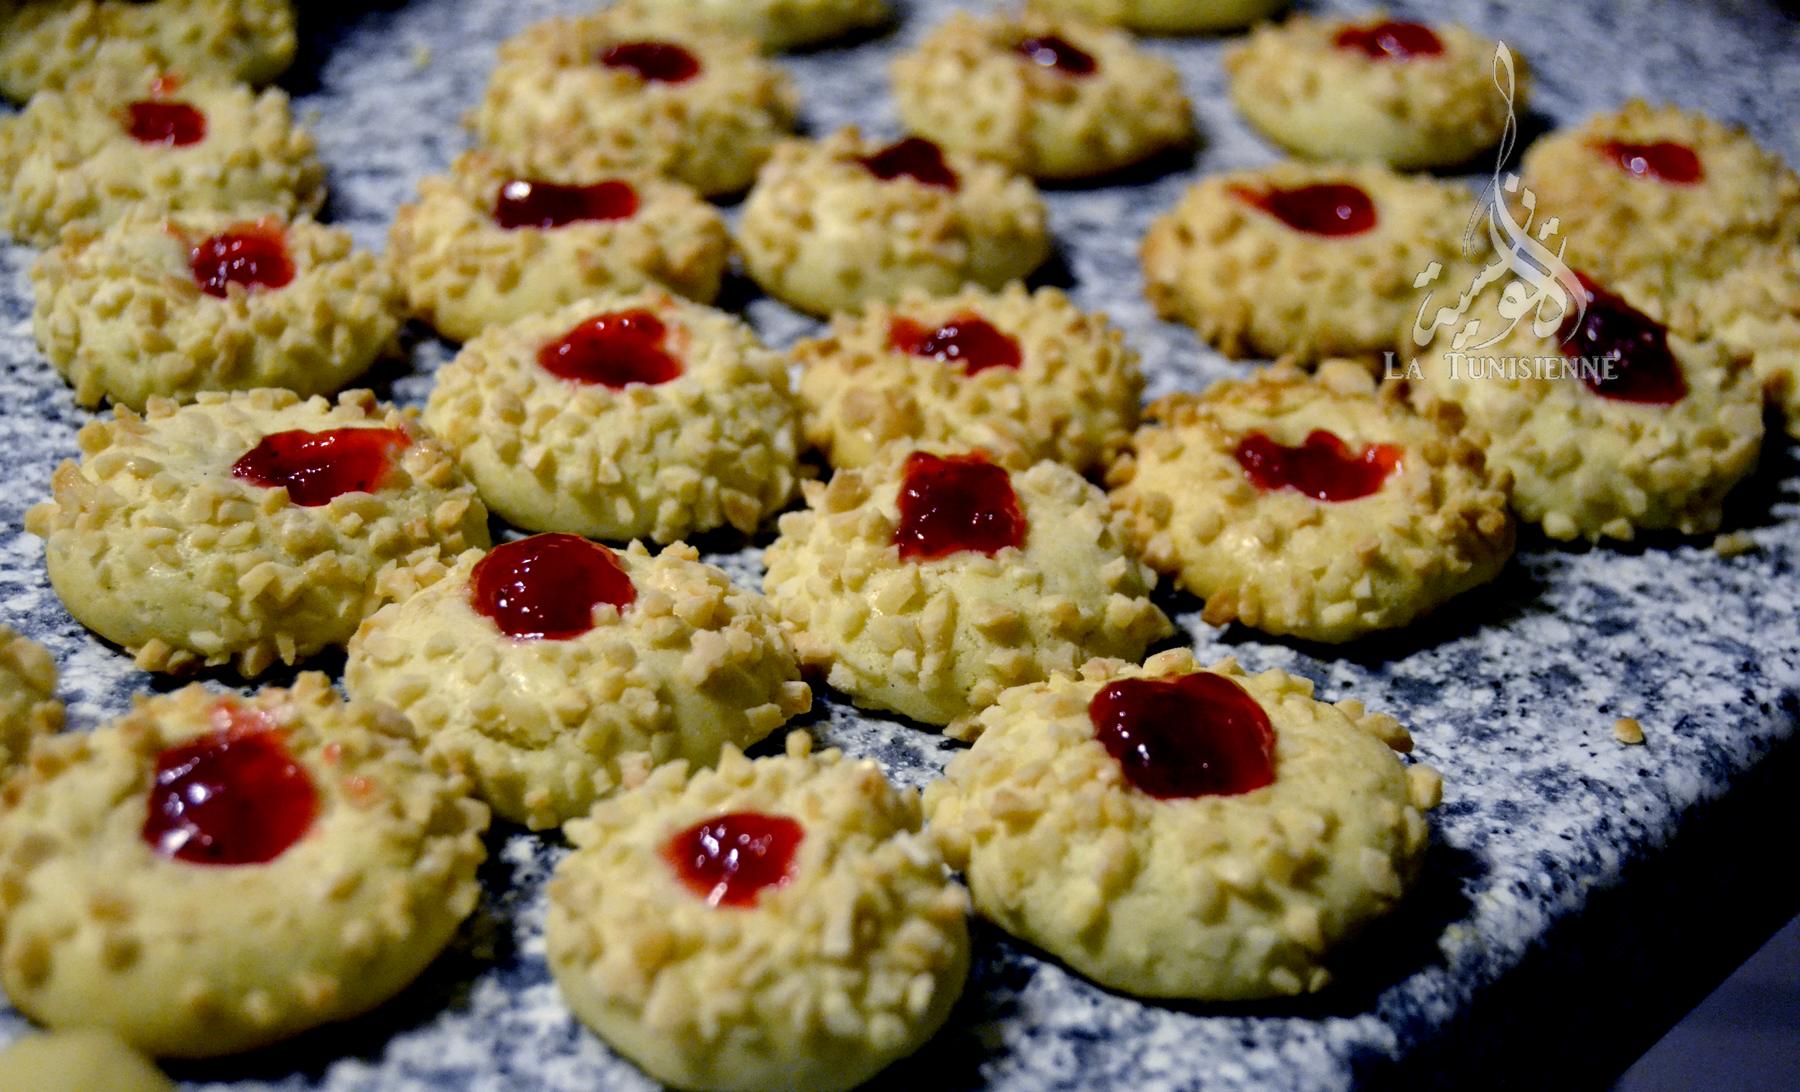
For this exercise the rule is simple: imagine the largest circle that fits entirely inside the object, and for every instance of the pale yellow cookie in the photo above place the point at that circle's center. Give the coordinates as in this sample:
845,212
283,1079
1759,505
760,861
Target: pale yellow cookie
1285,561
209,874
848,958
714,446
28,704
1165,16
822,232
554,104
1755,310
464,270
1046,97
124,314
1253,285
155,544
780,25
78,1060
1311,86
935,636
1211,897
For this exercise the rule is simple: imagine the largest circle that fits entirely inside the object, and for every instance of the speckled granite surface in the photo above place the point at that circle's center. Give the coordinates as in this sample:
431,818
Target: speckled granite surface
1511,694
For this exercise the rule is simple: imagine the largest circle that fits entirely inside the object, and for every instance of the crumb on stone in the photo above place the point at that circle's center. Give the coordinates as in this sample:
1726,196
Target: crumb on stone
1628,730
1734,544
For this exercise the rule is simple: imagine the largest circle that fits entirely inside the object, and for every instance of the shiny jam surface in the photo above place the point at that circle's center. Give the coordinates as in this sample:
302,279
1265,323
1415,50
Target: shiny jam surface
314,467
949,504
525,202
1328,208
164,121
1663,161
654,62
546,587
233,797
253,255
1050,51
1634,346
1391,41
615,349
1323,467
731,859
1197,735
969,340
915,158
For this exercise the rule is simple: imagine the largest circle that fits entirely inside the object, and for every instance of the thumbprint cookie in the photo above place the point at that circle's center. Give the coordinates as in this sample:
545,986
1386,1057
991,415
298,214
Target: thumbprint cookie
78,1060
1755,310
779,25
1164,16
28,705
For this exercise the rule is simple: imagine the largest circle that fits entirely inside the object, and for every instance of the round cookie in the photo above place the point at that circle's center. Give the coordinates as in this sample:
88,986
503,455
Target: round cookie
1755,310
1164,16
927,583
835,946
220,532
1403,94
1049,98
209,874
70,157
632,88
1317,508
1305,259
28,705
781,25
47,43
168,305
833,224
1023,375
486,245
1178,832
611,662
664,418
78,1060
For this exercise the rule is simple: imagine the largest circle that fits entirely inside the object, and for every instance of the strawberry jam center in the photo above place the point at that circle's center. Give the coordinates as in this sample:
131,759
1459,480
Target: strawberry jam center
1630,349
1327,208
233,797
1663,161
1198,735
160,121
314,467
546,587
526,202
1391,41
915,158
953,503
654,62
969,340
616,350
1050,51
254,256
1324,468
731,859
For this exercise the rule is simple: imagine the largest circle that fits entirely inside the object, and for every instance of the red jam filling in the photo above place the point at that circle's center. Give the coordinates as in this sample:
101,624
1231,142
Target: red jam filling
1391,41
314,467
953,503
969,340
1676,164
1630,350
731,859
254,256
1050,51
654,62
160,121
1198,735
526,202
229,798
915,158
546,587
1328,208
1324,468
616,350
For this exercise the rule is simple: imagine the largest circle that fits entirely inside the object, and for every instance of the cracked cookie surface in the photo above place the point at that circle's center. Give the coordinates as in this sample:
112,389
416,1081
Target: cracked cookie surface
29,708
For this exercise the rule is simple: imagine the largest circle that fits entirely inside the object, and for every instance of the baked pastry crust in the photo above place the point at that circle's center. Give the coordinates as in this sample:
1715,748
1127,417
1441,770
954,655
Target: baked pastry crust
935,640
1165,16
152,544
185,960
781,25
1755,310
1073,398
716,446
78,1060
463,272
1214,898
549,106
967,88
1252,286
1285,563
1316,100
818,985
120,316
821,233
29,708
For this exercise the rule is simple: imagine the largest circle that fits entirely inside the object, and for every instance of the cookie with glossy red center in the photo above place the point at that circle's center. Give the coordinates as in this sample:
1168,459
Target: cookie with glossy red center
226,872
1164,16
1297,824
249,528
28,704
740,880
782,25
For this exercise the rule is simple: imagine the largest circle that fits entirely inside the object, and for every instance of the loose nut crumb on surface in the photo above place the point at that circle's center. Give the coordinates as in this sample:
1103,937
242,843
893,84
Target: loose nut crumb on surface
1733,544
1628,730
